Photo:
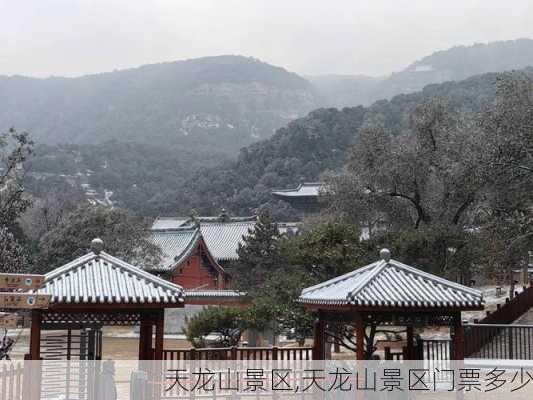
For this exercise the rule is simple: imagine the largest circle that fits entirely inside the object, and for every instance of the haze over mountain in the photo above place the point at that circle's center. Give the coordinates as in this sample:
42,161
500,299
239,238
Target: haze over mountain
216,103
154,182
185,122
454,64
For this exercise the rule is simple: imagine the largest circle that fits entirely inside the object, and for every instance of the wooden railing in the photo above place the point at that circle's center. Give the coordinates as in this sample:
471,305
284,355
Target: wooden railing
11,376
509,342
493,337
391,355
436,349
512,309
240,353
294,358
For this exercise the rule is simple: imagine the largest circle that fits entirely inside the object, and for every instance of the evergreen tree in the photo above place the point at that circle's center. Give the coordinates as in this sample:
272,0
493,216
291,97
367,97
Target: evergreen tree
259,254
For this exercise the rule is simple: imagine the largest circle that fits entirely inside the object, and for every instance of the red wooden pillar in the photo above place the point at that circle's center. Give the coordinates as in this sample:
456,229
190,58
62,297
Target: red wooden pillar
410,344
145,339
458,338
360,337
35,335
158,353
32,372
319,338
159,335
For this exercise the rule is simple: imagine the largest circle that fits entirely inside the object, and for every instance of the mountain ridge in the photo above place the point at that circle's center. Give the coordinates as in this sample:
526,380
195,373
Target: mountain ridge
220,102
452,64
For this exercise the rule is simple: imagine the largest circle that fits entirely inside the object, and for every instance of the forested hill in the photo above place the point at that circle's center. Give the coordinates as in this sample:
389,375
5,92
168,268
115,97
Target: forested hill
454,64
312,145
154,181
220,103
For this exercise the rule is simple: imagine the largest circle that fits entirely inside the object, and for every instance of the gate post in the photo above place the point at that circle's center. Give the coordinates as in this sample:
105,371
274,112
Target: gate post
458,338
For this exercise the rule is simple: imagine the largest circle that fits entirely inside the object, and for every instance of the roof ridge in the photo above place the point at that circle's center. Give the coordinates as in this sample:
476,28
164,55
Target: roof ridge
380,266
178,229
436,278
70,265
338,278
189,248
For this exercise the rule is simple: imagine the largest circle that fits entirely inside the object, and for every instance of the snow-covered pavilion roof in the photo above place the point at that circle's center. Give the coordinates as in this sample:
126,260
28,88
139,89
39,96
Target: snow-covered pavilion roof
101,279
391,284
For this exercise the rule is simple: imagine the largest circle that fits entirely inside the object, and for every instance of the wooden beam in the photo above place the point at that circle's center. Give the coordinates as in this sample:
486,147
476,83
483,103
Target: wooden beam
35,335
116,308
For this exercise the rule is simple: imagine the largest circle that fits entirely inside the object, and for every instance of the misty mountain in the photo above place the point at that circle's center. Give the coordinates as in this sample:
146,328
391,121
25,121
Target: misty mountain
312,145
220,103
155,182
454,64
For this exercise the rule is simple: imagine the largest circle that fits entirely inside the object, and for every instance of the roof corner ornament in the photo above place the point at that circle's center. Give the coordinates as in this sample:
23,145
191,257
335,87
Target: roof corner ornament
224,216
194,218
97,245
384,254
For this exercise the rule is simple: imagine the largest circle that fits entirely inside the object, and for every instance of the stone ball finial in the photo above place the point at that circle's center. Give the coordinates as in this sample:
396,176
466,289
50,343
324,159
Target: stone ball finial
97,245
384,254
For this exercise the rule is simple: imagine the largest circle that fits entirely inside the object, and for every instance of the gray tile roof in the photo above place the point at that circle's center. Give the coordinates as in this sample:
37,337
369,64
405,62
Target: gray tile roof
198,293
223,238
169,222
104,279
303,190
392,284
175,244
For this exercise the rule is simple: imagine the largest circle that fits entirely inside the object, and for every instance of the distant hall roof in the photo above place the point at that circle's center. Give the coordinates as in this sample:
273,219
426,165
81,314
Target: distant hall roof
222,238
169,223
310,189
101,279
392,284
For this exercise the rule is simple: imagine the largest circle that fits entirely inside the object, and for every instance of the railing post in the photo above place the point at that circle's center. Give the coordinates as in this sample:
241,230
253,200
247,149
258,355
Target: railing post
388,355
233,353
274,353
510,344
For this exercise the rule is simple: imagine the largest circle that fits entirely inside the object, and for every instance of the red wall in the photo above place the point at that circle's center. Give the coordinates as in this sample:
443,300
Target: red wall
196,272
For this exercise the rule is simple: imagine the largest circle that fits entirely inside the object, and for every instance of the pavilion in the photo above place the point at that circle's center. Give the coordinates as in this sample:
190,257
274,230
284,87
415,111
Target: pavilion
394,294
98,289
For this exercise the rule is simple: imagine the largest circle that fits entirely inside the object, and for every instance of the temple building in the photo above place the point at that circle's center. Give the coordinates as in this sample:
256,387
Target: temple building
303,198
198,252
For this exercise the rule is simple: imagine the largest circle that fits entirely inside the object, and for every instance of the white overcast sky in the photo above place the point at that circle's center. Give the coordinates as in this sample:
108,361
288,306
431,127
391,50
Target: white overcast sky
374,37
